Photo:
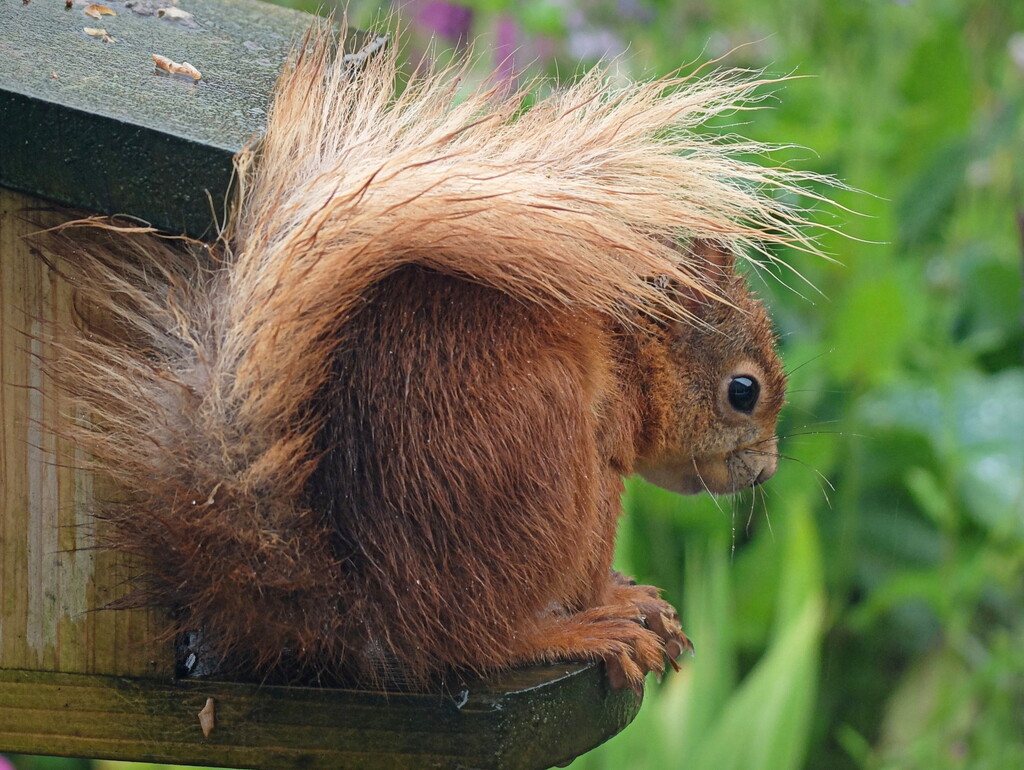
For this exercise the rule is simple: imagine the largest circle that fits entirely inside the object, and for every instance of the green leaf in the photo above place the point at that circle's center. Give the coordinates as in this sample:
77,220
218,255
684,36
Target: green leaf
925,205
870,328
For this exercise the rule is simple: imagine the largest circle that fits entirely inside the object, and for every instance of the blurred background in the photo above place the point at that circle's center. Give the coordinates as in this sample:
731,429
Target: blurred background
866,608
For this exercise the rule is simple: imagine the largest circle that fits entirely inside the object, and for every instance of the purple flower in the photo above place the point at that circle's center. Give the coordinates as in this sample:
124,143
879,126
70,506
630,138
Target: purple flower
447,20
505,52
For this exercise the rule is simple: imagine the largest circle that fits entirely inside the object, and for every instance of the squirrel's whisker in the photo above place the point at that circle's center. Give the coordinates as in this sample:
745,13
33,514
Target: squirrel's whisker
811,360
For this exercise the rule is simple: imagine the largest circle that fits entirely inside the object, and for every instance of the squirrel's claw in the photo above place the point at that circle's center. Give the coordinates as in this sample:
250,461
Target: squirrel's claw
656,615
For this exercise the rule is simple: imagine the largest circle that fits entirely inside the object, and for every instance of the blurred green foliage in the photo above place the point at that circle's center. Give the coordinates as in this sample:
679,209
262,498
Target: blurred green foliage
906,423
866,608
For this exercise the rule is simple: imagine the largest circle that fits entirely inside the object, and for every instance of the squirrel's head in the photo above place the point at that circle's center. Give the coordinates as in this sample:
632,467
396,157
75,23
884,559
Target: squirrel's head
727,390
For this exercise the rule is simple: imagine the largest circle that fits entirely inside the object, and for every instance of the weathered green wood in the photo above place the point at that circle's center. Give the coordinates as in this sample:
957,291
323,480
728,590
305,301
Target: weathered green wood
95,125
531,718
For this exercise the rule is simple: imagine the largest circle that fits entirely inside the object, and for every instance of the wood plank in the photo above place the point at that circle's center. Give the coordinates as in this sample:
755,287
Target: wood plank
96,126
53,585
530,718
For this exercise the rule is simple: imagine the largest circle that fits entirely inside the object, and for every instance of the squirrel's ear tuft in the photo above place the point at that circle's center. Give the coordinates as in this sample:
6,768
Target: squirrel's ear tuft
718,260
713,267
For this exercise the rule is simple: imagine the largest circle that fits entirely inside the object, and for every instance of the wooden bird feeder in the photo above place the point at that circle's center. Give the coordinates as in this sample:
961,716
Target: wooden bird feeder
87,120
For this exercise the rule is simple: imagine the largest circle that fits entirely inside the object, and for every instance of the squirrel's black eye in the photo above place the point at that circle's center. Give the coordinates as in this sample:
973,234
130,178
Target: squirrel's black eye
743,393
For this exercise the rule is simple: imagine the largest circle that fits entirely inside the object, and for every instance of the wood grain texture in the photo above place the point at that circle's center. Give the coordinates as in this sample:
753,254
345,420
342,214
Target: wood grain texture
531,718
53,584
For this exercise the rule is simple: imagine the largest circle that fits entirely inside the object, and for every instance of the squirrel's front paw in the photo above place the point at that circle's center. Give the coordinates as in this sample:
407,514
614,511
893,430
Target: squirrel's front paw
654,613
615,634
629,650
663,620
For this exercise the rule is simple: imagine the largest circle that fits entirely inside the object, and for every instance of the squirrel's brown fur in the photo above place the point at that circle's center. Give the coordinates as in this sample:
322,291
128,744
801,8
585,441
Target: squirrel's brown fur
383,421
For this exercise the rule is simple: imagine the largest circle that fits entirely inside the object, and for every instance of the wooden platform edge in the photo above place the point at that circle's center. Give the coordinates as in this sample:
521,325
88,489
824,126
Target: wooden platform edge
527,718
95,125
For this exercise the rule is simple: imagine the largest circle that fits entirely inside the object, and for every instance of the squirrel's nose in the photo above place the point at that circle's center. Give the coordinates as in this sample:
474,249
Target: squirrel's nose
762,476
768,461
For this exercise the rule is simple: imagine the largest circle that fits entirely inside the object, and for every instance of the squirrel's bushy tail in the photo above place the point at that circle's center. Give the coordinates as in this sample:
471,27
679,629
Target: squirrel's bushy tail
202,382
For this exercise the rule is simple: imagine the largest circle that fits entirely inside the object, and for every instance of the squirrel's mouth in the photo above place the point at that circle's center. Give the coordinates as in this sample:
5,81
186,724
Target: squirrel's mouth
723,474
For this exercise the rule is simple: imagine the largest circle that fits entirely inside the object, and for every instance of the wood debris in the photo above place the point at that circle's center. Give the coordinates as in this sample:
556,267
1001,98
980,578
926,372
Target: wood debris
95,10
102,34
173,67
184,18
173,13
207,720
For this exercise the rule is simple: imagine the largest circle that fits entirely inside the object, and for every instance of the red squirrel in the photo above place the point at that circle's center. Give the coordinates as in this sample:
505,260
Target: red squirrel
382,422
